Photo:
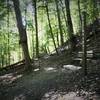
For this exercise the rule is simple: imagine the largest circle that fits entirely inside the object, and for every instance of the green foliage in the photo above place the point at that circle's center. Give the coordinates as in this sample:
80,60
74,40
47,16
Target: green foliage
9,37
92,10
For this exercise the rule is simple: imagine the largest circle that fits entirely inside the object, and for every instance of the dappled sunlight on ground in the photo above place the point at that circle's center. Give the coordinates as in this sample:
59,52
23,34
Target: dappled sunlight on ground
35,85
65,67
9,78
70,96
20,97
50,69
61,96
72,67
37,69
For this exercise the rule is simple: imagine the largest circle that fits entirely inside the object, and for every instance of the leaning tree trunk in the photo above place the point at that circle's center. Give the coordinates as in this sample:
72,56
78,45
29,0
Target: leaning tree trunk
22,34
36,27
50,26
59,22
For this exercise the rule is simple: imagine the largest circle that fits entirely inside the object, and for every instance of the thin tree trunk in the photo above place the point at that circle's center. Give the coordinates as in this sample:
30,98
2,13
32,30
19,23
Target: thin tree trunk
95,9
22,34
36,27
80,17
84,43
57,39
57,35
48,50
25,18
8,32
2,61
59,22
50,26
33,49
63,12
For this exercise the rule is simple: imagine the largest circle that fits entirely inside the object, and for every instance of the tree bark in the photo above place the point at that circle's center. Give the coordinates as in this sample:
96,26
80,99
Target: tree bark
84,43
61,4
69,20
57,39
8,58
80,17
36,27
70,25
22,35
59,22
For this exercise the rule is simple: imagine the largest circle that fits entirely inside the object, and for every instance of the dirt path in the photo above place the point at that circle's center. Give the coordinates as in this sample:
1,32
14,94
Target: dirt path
42,85
34,85
49,83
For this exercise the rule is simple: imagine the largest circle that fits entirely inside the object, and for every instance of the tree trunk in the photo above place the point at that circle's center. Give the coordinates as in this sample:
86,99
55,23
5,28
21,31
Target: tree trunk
69,20
36,27
95,9
63,13
59,22
69,23
50,26
22,34
80,17
33,45
57,39
84,43
8,58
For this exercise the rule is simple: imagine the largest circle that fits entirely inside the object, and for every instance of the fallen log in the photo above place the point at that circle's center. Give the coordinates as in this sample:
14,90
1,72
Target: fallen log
16,65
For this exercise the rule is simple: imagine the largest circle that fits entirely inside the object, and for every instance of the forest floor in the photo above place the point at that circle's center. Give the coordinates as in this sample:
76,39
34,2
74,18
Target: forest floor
51,80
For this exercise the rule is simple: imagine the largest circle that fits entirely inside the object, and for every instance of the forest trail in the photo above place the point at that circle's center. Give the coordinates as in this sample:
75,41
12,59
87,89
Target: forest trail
52,81
65,37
